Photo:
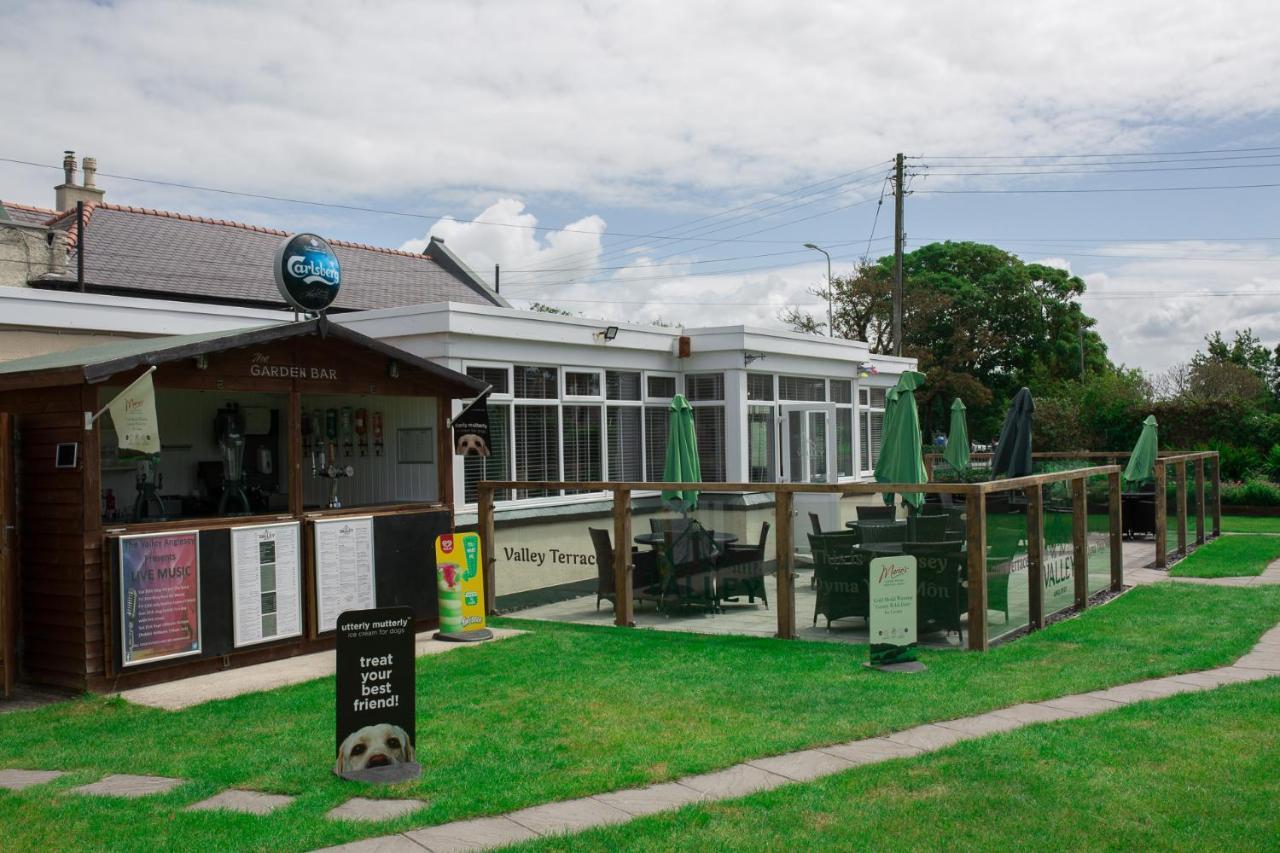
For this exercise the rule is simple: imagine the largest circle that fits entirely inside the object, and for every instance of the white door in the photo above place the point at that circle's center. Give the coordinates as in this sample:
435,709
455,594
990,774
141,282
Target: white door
808,455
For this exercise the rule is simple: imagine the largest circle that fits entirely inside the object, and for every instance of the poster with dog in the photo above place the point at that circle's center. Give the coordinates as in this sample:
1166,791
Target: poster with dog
471,429
375,696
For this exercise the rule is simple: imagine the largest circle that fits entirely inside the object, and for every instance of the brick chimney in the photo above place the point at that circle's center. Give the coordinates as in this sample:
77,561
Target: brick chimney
68,192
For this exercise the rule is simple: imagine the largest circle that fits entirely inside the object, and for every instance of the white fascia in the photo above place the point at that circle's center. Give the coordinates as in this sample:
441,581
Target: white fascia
55,310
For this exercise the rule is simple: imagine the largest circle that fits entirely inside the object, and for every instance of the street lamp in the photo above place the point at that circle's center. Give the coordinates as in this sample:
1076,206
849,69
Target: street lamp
831,332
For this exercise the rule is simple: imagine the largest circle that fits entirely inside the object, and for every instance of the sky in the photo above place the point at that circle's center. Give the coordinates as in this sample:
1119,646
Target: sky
634,160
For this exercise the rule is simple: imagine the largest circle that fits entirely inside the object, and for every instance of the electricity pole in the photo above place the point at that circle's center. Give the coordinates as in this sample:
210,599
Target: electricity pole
897,256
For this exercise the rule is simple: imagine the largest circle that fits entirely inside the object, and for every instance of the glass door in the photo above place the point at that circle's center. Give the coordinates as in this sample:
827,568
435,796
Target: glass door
808,443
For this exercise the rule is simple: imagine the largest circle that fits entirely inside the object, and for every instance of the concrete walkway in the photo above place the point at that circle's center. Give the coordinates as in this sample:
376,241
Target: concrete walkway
185,692
1263,661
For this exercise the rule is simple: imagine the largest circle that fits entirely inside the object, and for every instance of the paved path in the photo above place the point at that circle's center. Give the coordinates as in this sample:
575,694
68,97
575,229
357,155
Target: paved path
1263,661
185,692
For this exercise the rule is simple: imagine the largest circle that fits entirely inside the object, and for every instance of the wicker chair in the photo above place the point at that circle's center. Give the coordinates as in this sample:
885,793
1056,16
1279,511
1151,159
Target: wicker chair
741,571
942,597
877,513
926,528
687,565
843,577
605,587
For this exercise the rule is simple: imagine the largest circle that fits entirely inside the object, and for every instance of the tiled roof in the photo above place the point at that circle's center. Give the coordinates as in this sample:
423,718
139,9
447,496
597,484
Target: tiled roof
179,255
25,214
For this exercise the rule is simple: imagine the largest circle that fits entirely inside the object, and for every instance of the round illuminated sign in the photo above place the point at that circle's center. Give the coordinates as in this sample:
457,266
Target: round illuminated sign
307,272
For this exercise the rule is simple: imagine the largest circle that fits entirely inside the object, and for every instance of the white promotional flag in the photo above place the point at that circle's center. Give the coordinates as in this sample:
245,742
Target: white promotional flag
133,412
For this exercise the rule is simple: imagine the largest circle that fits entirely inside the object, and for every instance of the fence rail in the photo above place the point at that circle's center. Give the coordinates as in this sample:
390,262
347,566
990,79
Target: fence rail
975,497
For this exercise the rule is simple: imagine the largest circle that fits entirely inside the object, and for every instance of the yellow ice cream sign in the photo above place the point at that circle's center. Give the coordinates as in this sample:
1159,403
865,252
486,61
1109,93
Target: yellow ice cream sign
459,582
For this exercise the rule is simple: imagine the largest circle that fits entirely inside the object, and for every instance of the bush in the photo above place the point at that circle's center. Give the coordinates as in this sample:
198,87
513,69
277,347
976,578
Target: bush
1255,492
1272,463
1238,463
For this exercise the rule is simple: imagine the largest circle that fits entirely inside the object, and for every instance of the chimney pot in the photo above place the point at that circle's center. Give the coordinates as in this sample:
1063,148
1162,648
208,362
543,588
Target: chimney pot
69,168
90,169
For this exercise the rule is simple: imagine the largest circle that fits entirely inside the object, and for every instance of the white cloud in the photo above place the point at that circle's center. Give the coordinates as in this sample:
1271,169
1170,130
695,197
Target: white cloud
1154,310
637,102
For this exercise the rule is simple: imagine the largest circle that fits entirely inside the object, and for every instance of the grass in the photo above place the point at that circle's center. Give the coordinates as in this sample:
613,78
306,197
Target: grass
1250,524
1244,555
1194,771
566,711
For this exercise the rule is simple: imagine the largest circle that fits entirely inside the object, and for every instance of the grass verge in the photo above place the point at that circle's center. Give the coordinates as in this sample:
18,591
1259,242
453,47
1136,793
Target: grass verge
1195,771
1244,555
1251,524
567,711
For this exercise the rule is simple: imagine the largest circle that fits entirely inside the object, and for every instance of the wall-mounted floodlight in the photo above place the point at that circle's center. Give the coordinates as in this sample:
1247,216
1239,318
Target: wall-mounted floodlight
606,334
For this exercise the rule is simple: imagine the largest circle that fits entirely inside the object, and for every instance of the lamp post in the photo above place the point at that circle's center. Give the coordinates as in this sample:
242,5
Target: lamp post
831,332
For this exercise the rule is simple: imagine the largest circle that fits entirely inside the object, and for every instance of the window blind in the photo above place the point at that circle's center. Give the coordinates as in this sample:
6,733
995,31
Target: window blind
708,426
656,427
537,447
624,443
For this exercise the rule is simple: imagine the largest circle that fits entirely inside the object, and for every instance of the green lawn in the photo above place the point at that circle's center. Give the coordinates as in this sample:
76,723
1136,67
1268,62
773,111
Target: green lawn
1250,524
1229,556
567,711
1195,771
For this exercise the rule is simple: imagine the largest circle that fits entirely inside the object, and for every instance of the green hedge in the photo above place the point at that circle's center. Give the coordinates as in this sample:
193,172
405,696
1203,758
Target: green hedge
1253,492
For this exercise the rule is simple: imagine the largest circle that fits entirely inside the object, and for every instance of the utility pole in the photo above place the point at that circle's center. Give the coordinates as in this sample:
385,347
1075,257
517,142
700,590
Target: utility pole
897,256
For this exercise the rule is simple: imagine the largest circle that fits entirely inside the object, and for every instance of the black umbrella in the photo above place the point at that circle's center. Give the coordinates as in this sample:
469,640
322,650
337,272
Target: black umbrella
1013,449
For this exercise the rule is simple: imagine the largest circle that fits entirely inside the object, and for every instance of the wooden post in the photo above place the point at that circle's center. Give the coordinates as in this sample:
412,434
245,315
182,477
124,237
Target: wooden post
1035,556
484,526
1216,507
786,604
294,452
1180,483
1162,516
1117,532
928,467
623,597
1200,501
976,533
1080,541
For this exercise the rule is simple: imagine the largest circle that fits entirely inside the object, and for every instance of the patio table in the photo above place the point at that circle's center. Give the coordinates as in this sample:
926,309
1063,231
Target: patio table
722,539
854,525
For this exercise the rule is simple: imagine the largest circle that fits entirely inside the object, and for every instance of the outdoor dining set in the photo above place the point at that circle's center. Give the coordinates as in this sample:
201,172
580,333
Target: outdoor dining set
679,562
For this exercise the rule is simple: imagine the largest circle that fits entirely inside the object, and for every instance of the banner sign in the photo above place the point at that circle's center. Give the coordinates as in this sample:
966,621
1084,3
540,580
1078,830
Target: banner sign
266,579
460,583
893,610
344,568
375,695
308,274
159,596
133,414
471,429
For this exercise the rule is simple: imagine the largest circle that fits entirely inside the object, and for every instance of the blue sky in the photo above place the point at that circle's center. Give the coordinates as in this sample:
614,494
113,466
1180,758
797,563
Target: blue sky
607,119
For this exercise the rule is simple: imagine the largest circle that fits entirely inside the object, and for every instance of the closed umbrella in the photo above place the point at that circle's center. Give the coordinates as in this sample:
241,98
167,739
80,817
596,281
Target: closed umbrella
957,452
901,459
682,455
1142,461
1013,448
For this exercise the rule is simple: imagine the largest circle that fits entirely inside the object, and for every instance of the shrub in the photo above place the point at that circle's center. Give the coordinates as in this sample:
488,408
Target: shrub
1238,463
1272,463
1255,492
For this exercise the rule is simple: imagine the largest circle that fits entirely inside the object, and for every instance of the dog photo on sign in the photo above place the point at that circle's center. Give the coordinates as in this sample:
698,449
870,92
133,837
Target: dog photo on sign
381,745
470,444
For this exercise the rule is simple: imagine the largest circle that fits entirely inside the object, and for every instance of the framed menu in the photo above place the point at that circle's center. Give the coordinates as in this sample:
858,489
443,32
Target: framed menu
266,582
344,568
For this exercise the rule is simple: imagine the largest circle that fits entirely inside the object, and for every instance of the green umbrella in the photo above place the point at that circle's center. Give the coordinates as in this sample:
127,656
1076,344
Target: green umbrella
901,459
1142,461
957,452
682,455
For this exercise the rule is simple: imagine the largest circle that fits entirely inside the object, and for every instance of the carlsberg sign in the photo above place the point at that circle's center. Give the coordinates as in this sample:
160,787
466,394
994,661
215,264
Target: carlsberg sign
307,272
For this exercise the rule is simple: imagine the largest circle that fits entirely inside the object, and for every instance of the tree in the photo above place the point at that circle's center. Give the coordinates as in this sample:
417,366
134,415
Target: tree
1219,372
981,322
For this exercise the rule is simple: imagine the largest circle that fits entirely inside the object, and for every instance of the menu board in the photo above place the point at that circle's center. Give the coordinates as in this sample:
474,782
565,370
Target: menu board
266,579
344,568
159,596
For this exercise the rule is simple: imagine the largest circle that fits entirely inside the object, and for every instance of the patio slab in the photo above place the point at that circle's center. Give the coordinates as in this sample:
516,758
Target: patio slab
927,737
568,816
16,780
872,750
655,798
248,802
1031,712
125,785
804,765
465,835
1081,704
983,724
381,844
736,781
359,808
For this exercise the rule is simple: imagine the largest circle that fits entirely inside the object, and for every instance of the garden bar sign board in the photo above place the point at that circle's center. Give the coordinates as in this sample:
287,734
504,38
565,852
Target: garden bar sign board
266,579
159,596
893,612
344,567
375,695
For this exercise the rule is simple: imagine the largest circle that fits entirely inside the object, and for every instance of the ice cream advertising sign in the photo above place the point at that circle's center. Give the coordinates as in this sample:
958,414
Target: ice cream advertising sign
893,610
159,596
459,583
376,733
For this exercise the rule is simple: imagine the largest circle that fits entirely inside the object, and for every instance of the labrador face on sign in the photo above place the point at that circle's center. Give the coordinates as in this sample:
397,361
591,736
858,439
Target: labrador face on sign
383,745
470,444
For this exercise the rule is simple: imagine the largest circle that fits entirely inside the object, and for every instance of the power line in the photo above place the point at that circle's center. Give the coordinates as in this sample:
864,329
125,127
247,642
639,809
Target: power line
1107,171
1107,154
1100,190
